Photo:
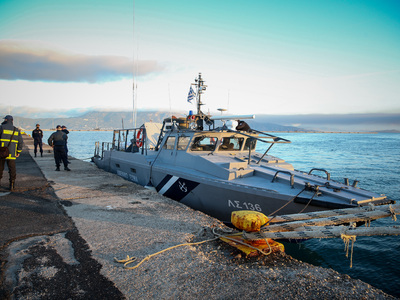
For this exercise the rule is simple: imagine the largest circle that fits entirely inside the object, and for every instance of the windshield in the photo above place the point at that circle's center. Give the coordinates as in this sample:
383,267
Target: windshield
204,143
231,144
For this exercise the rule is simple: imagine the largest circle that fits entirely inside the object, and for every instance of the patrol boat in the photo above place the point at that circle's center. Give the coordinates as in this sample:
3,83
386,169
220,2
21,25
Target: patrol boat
217,170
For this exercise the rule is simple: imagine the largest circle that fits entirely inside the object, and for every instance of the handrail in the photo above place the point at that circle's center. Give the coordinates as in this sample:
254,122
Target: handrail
104,148
122,144
328,176
286,172
96,149
275,139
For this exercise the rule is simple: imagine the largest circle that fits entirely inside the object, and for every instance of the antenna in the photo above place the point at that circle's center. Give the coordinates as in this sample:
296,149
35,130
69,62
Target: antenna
201,88
222,110
134,70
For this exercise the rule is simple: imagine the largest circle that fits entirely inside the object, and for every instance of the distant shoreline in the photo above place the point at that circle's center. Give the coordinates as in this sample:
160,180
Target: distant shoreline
344,132
274,131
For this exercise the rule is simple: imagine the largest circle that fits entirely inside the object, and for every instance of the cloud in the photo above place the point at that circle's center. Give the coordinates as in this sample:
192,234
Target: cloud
32,61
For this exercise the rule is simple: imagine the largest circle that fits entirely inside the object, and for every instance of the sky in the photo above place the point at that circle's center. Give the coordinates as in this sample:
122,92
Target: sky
258,56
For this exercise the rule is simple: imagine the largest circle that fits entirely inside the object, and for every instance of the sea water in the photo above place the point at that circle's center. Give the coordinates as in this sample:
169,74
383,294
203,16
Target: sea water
372,159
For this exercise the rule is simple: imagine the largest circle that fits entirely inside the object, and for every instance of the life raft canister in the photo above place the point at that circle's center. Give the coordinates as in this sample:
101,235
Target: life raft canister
248,220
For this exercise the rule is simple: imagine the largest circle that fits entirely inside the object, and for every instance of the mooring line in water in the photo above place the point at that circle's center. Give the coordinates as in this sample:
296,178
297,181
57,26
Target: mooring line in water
283,206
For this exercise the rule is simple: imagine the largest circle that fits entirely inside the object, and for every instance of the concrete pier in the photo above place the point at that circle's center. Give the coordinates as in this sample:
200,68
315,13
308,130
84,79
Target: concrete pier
60,232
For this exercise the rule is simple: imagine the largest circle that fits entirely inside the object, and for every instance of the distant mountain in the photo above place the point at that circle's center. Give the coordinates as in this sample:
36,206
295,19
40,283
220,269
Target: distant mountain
362,122
93,120
114,120
108,120
389,131
266,126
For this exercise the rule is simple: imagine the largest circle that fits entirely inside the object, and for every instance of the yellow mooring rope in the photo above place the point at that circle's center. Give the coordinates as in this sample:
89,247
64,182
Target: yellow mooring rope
128,260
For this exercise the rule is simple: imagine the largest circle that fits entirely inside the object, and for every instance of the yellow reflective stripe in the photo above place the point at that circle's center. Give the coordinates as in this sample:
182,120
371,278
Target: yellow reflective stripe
7,140
10,132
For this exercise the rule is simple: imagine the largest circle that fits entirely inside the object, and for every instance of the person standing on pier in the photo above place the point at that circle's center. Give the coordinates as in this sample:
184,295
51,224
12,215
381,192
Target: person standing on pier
64,129
37,135
57,140
11,138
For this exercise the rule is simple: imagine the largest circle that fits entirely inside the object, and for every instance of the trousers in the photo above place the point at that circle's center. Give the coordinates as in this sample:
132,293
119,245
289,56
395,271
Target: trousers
12,169
60,156
38,143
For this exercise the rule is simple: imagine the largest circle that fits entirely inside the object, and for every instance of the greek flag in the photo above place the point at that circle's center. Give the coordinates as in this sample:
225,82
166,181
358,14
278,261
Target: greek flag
191,95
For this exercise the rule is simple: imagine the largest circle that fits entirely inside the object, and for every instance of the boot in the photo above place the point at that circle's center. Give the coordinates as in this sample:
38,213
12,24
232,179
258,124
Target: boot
41,154
58,168
12,182
35,154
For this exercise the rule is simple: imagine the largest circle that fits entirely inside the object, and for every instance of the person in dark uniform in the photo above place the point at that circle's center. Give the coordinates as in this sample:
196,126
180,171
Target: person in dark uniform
243,126
64,129
57,140
37,135
10,133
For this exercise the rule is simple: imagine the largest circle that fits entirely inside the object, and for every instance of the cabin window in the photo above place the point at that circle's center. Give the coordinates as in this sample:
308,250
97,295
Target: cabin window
204,143
183,142
231,144
250,142
170,143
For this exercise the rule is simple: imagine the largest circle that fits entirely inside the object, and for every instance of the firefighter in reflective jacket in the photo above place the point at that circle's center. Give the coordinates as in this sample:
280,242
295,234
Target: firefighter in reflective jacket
15,147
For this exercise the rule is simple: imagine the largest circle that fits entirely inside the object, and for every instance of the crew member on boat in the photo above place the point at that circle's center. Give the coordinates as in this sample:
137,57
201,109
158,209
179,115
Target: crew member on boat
243,126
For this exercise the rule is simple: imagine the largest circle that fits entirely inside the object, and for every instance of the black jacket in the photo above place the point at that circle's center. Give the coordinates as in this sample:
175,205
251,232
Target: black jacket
37,134
57,138
6,131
